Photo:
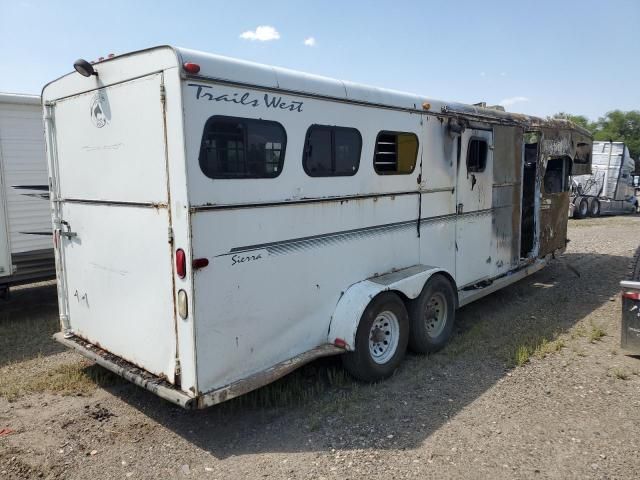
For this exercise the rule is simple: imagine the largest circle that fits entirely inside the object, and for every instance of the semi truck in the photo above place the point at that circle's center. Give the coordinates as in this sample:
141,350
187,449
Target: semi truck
609,188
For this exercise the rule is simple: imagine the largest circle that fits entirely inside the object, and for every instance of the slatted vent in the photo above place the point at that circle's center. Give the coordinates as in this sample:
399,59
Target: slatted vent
386,159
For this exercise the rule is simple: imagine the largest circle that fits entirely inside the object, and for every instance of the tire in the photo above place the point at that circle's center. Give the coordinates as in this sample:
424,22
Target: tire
377,358
594,208
582,209
432,316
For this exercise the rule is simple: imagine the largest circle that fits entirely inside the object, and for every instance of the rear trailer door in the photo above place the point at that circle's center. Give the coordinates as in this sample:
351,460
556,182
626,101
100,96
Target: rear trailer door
114,254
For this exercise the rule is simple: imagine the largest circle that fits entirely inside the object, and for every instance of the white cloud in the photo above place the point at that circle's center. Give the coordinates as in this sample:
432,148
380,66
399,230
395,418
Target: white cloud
507,102
263,33
310,42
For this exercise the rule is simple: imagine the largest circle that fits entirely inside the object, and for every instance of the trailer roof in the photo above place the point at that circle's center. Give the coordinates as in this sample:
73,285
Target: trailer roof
243,72
20,98
250,74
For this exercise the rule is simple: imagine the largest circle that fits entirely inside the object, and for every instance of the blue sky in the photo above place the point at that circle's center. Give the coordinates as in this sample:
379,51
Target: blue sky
537,57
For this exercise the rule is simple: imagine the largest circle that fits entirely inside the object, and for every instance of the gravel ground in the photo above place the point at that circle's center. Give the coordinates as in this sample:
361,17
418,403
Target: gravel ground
533,385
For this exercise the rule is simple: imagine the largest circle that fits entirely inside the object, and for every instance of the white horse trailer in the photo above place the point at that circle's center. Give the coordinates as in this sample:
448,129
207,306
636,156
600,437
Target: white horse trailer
220,222
26,249
609,188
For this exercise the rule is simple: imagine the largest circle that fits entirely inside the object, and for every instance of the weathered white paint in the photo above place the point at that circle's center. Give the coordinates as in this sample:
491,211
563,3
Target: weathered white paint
474,195
293,260
111,189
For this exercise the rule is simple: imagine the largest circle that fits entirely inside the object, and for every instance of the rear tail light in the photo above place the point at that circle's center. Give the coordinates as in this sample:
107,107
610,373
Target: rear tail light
631,295
181,263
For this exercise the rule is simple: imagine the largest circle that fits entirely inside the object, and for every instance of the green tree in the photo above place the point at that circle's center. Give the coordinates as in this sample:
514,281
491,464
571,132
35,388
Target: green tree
619,126
615,126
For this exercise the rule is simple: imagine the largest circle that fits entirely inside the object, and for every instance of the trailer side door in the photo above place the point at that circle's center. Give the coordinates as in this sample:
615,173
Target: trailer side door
474,213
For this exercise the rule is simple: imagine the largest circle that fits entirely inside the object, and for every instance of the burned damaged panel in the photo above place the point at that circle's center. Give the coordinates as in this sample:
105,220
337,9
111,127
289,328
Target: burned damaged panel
583,155
556,144
553,222
506,200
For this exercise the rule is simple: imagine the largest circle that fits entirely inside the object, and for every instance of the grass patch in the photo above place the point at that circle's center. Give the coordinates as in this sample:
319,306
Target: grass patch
538,348
27,322
620,374
522,355
596,333
470,340
75,378
578,332
27,337
300,387
546,347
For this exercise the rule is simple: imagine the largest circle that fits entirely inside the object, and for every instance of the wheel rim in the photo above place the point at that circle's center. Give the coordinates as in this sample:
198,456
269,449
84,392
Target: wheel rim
435,315
384,336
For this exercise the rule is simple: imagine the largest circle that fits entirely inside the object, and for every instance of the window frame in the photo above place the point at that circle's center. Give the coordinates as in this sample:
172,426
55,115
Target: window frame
395,132
567,167
581,157
245,140
486,153
332,129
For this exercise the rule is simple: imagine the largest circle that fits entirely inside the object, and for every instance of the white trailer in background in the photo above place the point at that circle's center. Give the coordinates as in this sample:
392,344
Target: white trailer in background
26,249
609,188
220,222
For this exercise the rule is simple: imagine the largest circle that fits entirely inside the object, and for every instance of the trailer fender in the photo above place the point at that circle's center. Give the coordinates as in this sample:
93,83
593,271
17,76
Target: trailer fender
352,303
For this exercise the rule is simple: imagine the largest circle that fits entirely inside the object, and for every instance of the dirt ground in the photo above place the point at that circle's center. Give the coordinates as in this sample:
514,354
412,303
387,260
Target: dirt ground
533,385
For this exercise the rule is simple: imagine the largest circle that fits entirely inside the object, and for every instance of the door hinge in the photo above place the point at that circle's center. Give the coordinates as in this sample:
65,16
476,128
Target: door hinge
163,94
178,370
170,235
460,208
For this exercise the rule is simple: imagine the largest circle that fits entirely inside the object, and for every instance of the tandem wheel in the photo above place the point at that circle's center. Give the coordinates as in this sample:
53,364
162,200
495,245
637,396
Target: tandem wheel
581,209
432,316
381,339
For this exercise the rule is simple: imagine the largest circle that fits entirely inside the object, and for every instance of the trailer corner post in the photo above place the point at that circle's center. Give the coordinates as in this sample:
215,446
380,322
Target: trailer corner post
54,193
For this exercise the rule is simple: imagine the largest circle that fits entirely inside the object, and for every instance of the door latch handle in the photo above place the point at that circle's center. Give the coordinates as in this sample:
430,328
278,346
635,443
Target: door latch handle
459,208
68,233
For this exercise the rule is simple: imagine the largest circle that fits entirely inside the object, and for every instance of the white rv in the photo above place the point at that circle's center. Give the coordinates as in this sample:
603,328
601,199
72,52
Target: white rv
609,188
26,249
220,222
